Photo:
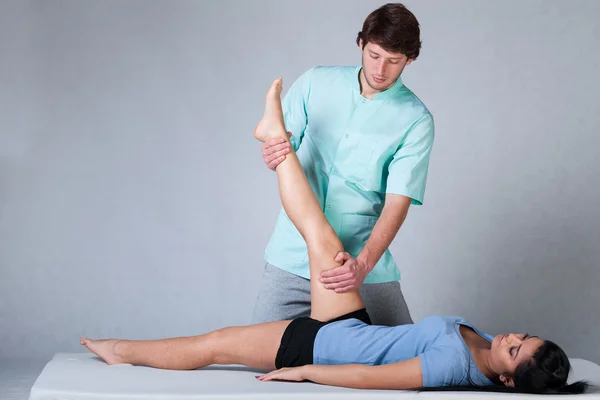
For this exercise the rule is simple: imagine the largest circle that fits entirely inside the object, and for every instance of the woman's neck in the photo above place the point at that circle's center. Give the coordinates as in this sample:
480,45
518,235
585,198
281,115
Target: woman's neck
480,350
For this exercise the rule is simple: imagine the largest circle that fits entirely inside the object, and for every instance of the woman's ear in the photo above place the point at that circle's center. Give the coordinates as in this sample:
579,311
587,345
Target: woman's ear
507,381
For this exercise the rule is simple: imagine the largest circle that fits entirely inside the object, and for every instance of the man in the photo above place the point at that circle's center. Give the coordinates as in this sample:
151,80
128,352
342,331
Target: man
364,140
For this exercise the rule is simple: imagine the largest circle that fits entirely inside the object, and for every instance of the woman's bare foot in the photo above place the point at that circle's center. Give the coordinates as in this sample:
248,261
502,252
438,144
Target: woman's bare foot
271,125
105,349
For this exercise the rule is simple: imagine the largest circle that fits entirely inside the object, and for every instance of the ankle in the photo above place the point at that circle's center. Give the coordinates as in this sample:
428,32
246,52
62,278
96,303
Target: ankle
120,350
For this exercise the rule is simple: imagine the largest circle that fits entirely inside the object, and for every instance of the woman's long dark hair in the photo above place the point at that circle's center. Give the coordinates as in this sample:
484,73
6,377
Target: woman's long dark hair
545,373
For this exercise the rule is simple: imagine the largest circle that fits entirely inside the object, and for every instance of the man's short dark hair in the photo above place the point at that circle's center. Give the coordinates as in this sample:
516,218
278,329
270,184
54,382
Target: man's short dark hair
394,28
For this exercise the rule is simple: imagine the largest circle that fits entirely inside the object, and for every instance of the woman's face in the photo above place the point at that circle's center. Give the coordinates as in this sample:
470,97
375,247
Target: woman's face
510,351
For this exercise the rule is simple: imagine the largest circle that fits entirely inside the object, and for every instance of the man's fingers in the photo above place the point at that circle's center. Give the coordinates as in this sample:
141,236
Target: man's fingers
338,278
268,143
268,150
342,256
283,146
339,285
271,142
345,289
334,272
275,155
276,159
273,164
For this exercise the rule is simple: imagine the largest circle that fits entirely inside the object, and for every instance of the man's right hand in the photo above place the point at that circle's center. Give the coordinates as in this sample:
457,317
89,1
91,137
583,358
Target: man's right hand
274,151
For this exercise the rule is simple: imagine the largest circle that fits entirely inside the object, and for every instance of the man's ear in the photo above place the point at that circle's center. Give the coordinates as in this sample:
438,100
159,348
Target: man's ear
360,44
409,61
507,381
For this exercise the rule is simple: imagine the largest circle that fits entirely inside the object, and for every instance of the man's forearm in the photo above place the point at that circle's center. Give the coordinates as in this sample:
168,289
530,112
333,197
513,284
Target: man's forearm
392,217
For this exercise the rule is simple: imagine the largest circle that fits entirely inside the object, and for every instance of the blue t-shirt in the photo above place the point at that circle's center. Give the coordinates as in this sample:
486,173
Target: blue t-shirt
445,358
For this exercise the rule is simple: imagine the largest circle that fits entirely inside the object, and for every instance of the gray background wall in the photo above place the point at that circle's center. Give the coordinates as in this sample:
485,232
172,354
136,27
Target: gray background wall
134,202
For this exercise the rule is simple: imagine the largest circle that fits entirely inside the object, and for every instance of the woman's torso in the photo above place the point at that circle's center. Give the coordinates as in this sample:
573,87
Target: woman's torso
445,358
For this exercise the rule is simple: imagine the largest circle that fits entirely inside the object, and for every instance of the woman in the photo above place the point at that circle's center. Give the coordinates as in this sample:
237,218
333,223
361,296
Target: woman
337,345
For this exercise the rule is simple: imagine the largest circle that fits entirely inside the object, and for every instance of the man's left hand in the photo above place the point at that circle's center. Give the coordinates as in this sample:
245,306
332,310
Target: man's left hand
348,276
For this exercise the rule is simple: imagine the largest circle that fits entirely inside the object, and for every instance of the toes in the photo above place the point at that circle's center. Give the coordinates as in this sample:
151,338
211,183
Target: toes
277,83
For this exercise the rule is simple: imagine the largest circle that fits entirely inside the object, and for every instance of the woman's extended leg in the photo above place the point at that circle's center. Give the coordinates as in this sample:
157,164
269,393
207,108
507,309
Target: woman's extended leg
304,211
254,346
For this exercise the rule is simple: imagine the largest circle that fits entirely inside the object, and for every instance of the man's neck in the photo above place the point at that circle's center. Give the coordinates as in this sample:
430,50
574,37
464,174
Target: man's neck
366,90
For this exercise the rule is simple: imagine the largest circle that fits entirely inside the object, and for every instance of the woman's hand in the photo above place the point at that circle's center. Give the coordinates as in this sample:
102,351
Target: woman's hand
284,374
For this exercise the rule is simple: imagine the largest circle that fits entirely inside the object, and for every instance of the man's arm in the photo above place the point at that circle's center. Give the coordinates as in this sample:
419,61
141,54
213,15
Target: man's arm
354,271
391,219
407,175
402,375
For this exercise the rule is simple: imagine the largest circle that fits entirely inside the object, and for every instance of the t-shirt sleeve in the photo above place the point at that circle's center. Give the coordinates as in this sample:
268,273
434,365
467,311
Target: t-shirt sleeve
410,164
294,106
443,366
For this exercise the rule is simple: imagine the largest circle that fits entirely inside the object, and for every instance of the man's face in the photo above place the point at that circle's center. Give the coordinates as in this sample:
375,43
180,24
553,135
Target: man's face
380,68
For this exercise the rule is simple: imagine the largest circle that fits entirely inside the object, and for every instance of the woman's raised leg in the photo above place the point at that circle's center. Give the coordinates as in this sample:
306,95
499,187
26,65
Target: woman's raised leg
304,211
254,346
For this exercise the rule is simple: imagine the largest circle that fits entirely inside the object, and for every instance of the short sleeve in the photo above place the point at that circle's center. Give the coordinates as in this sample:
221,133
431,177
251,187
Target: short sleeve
294,107
443,366
407,172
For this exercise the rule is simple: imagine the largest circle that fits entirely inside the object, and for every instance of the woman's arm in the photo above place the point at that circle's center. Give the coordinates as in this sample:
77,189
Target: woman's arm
402,375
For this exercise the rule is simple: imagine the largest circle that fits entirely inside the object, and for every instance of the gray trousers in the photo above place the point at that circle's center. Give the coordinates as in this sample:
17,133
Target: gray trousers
283,295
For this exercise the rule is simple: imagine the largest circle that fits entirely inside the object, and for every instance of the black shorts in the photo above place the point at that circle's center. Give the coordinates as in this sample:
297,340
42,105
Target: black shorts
298,340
